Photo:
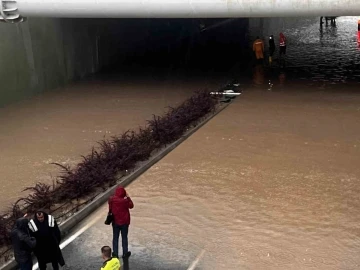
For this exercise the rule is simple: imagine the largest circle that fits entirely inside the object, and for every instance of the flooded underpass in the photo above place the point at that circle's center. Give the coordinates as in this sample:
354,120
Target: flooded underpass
271,185
272,182
278,188
61,126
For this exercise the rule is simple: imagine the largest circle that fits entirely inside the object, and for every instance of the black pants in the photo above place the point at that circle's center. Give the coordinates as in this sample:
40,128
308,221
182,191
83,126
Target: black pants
124,229
55,265
271,51
26,265
282,50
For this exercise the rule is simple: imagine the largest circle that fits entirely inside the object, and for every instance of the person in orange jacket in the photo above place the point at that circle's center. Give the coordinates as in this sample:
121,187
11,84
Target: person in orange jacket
258,48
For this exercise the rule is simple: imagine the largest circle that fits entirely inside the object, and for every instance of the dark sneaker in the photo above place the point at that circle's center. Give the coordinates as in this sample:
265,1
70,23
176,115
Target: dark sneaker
126,255
114,255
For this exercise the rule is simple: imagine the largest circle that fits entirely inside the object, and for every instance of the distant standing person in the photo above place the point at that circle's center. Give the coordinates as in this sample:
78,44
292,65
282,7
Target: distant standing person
271,48
23,244
358,39
282,44
110,263
46,231
119,206
258,48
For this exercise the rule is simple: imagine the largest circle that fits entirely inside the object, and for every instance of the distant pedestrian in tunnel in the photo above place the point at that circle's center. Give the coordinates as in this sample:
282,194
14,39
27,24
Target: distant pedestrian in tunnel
258,48
358,37
47,234
271,48
119,206
110,263
282,44
282,50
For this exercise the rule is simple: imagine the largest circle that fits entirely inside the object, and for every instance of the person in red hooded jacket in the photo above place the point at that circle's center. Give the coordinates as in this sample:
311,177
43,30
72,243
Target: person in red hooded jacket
119,206
358,39
282,51
282,44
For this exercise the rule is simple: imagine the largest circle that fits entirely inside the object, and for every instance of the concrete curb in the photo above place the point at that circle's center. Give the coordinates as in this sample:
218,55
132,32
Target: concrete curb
75,219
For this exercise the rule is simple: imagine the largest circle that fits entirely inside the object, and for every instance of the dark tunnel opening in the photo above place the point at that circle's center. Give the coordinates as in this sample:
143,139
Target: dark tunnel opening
54,52
191,44
316,53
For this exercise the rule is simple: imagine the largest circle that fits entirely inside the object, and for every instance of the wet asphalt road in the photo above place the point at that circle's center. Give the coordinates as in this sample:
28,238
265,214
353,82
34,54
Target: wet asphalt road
149,251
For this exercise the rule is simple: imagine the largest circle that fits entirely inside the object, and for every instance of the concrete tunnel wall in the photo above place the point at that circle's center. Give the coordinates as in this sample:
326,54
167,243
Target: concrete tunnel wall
43,54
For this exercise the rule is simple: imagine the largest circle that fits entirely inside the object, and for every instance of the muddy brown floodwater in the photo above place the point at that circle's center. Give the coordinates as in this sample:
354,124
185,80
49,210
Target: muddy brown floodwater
273,182
64,124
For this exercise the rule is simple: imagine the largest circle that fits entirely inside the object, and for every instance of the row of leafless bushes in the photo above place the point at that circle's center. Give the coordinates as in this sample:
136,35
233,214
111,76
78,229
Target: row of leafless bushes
103,165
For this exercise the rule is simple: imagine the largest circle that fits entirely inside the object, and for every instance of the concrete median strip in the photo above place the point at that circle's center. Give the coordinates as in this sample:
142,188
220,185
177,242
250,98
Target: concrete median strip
75,219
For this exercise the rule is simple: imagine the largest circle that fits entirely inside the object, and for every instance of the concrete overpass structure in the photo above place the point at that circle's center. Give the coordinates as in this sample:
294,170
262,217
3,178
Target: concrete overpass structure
17,10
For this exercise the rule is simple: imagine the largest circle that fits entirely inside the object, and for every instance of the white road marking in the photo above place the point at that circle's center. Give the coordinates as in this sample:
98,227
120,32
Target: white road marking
197,260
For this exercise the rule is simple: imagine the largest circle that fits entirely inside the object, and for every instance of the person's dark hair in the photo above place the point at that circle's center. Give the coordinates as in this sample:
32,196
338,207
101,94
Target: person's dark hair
106,251
40,211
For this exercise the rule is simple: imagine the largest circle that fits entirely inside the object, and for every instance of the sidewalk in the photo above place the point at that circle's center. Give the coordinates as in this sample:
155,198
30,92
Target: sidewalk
149,251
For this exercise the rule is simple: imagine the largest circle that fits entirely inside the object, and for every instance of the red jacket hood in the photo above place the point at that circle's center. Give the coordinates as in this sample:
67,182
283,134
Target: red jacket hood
120,192
282,35
119,207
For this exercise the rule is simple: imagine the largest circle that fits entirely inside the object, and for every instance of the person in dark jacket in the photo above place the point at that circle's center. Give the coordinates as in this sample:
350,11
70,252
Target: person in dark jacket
46,231
23,244
119,206
271,48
